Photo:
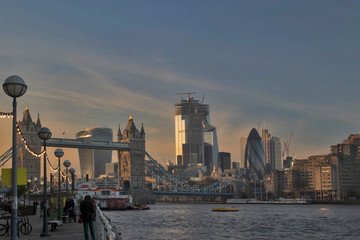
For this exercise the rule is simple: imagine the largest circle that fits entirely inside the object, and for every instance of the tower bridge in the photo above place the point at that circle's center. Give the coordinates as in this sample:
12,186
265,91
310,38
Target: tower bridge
131,158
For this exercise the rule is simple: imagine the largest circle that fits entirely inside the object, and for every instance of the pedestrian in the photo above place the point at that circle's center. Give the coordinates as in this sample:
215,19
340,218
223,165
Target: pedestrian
41,208
35,204
87,211
94,214
71,209
67,206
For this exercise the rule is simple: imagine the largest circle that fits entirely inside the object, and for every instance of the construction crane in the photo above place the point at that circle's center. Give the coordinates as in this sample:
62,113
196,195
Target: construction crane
188,93
287,147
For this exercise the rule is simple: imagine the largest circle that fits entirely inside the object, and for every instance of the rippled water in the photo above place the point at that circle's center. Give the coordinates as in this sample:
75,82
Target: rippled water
197,221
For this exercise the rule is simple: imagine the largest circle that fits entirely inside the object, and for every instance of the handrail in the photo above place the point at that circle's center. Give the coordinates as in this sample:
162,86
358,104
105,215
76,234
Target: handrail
104,228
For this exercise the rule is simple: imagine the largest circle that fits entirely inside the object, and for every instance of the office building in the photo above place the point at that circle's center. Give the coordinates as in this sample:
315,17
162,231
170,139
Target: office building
272,151
315,179
211,148
111,168
348,154
275,146
92,161
235,165
189,135
243,141
254,155
225,160
282,183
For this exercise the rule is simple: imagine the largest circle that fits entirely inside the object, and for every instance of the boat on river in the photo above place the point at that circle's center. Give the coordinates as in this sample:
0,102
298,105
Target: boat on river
225,209
107,198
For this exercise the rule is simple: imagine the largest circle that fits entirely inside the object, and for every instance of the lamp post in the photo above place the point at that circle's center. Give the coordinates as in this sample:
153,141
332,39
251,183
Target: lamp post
28,188
35,182
72,171
59,153
67,164
44,134
14,86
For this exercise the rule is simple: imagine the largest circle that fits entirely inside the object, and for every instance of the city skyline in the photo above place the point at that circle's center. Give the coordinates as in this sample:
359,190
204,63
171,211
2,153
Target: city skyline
291,64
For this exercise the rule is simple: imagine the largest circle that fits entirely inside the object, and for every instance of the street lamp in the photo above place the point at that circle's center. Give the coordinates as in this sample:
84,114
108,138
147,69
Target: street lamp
28,189
59,153
72,171
67,164
14,86
45,134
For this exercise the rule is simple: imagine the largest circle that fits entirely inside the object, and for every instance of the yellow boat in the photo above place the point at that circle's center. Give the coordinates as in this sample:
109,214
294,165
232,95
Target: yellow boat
225,209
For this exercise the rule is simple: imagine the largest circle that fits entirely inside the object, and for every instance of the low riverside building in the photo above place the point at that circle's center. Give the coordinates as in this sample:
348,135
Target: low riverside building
348,154
282,183
318,177
315,177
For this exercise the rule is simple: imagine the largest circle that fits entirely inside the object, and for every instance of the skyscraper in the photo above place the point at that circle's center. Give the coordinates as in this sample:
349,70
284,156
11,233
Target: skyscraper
272,151
210,144
189,134
243,141
254,155
92,161
276,153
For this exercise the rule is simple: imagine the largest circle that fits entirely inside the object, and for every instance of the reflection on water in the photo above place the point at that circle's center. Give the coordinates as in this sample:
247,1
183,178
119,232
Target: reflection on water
197,221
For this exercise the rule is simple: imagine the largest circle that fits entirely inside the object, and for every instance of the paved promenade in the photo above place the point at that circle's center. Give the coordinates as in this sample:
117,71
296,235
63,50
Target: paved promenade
69,231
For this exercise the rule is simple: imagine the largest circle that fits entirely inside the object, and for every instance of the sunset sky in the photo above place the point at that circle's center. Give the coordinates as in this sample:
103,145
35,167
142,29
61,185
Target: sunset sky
293,64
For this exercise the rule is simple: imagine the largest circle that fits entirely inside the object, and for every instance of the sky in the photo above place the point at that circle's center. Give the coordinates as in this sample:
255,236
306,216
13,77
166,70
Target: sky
292,66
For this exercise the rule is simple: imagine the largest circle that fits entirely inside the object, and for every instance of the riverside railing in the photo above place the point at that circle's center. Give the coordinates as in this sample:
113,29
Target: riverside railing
104,227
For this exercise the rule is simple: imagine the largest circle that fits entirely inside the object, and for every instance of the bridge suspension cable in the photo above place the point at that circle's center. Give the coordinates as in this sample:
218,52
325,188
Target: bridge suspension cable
158,172
7,156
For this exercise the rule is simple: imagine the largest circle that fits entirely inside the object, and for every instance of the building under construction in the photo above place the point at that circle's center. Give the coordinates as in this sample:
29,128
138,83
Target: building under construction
189,135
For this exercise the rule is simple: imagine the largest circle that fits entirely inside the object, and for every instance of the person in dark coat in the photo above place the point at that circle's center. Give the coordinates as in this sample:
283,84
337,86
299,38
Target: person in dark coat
87,212
35,204
69,208
41,208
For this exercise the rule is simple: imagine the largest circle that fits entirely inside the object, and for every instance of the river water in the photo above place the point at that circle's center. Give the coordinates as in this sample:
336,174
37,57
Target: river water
197,221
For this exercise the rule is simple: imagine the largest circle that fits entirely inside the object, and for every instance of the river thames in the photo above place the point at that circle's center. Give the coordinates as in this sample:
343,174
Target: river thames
197,221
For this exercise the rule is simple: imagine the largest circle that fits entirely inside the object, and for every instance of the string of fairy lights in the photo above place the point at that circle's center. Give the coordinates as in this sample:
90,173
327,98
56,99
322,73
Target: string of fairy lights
6,114
27,147
51,167
39,188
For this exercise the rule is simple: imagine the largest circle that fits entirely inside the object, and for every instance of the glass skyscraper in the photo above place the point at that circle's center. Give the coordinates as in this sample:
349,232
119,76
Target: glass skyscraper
254,155
93,161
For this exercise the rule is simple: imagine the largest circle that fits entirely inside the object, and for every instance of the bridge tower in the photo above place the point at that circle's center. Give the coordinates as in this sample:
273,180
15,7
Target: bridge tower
25,159
132,163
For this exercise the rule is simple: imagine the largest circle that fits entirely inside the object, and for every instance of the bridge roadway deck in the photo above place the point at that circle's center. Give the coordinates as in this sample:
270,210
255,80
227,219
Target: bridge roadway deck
85,144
